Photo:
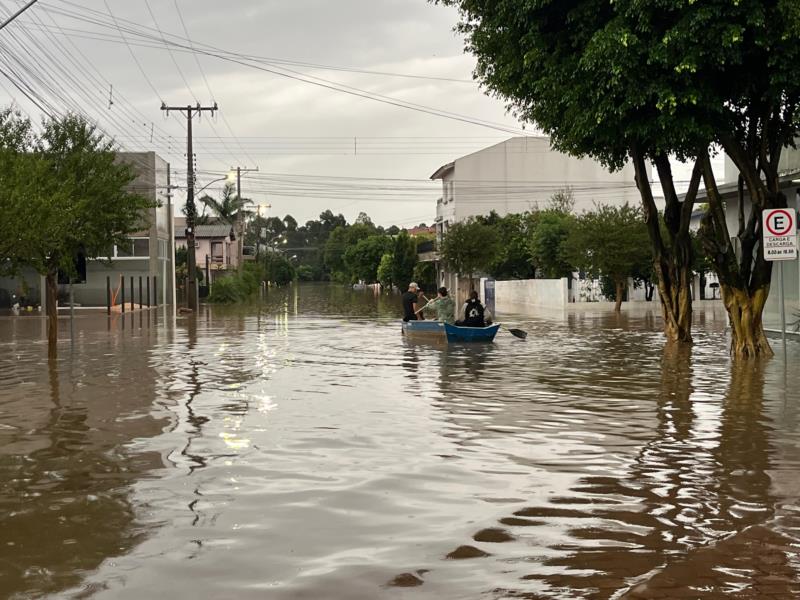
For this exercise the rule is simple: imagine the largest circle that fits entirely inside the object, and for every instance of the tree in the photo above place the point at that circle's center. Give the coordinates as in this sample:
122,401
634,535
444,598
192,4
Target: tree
384,273
363,219
290,222
547,243
588,74
393,230
363,258
335,248
609,242
470,246
228,208
277,268
61,192
514,259
562,201
404,259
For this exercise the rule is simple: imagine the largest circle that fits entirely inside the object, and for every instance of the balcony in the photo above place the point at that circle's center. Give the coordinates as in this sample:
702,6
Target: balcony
426,251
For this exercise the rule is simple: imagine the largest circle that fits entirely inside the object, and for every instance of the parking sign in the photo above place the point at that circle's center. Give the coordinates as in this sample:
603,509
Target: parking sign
780,234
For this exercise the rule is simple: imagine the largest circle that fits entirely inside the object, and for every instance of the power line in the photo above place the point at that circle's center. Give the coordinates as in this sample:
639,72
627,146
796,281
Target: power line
291,74
133,55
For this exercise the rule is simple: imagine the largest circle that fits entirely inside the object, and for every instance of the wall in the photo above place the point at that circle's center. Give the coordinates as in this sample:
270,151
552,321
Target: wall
511,296
523,173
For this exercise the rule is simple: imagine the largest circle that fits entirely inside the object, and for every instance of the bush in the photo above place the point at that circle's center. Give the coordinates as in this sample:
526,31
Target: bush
237,288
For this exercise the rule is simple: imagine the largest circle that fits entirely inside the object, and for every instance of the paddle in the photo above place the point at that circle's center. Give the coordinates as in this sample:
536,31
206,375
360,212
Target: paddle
517,333
426,306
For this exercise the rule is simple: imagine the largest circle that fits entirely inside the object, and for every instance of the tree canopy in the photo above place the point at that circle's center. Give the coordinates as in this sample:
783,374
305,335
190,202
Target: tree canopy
611,242
63,191
470,246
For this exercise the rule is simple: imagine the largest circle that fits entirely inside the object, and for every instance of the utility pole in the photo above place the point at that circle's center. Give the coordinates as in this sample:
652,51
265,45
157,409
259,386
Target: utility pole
240,216
191,211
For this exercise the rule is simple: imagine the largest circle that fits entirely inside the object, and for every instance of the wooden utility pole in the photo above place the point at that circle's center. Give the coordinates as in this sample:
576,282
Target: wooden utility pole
191,211
240,216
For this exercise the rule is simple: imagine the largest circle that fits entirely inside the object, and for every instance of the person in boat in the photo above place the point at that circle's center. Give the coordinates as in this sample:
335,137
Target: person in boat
411,302
443,306
473,313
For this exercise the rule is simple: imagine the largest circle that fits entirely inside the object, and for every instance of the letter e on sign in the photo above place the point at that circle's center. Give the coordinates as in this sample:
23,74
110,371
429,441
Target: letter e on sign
779,234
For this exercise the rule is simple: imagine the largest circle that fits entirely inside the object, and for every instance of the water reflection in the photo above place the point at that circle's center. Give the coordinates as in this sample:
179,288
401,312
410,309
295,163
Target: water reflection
66,474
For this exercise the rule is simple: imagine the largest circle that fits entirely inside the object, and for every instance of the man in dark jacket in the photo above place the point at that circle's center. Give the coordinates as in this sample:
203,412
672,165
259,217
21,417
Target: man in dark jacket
473,313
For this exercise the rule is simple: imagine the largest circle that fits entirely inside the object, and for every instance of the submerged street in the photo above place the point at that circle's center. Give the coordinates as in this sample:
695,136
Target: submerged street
304,449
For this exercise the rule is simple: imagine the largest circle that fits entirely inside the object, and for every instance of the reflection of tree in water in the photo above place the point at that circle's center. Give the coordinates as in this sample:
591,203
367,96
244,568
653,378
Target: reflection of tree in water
65,507
692,486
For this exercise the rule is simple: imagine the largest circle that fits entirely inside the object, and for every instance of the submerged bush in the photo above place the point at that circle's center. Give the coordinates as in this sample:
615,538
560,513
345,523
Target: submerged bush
238,287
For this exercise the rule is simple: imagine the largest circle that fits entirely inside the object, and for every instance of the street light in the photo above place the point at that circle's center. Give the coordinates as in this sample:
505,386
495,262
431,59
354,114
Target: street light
212,182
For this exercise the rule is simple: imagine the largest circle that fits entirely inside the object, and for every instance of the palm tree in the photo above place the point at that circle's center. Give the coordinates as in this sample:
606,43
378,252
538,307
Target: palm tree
230,208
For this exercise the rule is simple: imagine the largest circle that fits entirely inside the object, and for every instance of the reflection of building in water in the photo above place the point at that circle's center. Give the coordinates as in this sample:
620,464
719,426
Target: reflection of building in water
65,461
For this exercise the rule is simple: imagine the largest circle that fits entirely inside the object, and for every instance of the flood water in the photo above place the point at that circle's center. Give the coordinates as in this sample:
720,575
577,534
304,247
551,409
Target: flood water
304,449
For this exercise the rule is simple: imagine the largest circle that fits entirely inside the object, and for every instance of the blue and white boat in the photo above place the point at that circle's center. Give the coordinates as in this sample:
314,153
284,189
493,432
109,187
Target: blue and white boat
470,334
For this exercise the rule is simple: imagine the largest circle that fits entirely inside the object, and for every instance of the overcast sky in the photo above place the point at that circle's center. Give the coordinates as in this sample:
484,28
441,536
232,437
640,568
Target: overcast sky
394,36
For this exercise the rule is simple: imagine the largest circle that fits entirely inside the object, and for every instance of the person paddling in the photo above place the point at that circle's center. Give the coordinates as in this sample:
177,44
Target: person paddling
443,306
410,302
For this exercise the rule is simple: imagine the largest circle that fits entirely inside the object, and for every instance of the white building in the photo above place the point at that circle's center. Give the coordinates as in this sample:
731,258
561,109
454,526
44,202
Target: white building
519,175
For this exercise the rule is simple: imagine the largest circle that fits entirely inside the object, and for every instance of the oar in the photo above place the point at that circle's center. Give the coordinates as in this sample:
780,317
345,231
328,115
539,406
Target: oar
518,333
426,306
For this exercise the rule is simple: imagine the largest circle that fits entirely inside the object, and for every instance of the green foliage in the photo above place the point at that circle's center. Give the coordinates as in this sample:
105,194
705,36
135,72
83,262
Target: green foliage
599,76
305,273
425,275
471,246
62,190
277,268
609,242
404,259
547,243
513,260
229,207
363,258
237,287
385,270
335,248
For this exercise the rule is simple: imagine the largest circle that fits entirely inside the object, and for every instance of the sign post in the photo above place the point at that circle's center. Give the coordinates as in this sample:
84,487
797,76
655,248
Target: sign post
779,229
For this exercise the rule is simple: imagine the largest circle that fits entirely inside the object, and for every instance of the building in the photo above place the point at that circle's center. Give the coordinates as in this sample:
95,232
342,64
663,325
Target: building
148,254
519,175
215,247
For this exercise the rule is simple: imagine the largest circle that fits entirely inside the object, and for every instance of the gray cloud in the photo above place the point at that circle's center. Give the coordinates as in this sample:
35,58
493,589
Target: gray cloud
409,36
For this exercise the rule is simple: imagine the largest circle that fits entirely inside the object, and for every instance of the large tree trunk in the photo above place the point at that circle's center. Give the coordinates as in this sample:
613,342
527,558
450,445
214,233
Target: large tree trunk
748,339
744,283
674,290
672,261
51,308
620,292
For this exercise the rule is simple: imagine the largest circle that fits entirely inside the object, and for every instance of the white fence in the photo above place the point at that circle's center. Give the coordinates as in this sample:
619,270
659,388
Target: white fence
512,296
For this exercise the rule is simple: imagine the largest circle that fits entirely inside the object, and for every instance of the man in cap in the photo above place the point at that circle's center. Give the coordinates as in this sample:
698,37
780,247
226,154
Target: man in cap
410,301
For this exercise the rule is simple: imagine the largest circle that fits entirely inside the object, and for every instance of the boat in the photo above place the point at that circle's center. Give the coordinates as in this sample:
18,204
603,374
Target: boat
429,329
470,334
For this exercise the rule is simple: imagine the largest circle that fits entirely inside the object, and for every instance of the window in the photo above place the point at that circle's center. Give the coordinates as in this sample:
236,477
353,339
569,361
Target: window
141,248
133,248
216,252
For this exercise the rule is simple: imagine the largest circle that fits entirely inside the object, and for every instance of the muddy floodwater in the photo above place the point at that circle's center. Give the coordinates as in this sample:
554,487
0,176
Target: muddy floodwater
303,448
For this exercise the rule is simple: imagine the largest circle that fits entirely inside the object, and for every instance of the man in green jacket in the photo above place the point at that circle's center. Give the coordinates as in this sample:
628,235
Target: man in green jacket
443,307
